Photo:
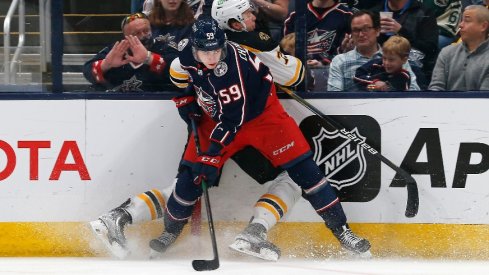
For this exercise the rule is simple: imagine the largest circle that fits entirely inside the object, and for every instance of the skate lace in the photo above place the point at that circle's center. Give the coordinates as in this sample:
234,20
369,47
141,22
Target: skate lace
167,238
347,237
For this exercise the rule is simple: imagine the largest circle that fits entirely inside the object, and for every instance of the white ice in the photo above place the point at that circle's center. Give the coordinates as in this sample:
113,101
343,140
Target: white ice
236,267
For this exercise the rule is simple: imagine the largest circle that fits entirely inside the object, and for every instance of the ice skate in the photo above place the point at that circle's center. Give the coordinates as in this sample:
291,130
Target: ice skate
353,243
109,228
161,244
253,241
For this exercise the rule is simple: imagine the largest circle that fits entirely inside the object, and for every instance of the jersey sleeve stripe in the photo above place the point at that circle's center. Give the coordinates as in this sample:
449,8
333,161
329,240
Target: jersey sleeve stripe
253,50
298,75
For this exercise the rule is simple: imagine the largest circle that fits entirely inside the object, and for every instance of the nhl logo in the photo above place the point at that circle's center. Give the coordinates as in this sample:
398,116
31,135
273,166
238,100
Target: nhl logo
221,69
346,156
346,153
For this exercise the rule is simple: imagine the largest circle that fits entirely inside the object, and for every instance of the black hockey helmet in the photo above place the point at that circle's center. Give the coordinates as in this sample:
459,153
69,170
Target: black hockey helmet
207,35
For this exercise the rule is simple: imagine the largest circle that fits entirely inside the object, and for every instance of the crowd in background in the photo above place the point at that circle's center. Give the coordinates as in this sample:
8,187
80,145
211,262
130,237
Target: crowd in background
352,45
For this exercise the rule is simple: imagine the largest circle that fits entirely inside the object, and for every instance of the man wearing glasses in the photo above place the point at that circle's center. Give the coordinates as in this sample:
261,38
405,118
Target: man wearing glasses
365,28
133,64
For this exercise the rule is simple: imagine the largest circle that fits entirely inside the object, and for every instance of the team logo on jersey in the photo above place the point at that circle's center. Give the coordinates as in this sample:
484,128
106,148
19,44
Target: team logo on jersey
221,69
168,39
182,44
206,101
264,36
343,154
130,85
320,41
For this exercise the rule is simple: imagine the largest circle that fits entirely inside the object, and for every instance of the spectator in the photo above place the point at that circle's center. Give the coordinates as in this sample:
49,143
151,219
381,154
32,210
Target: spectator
195,5
466,3
327,24
271,16
386,73
365,28
170,21
416,23
356,5
465,66
136,63
447,17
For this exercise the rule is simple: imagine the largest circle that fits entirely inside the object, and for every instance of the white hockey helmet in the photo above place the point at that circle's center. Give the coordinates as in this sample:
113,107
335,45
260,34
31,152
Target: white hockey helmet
224,10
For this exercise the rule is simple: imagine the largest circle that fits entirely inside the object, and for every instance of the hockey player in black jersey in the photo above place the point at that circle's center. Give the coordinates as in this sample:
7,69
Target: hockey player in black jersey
133,64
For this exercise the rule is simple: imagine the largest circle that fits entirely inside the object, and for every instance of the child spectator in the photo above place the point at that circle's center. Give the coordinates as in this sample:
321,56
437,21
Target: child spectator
386,73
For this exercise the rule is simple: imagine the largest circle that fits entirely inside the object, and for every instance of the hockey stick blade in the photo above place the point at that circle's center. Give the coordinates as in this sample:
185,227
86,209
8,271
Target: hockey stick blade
205,265
412,204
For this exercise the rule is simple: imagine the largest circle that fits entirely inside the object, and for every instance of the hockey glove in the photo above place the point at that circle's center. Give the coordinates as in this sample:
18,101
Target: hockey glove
188,108
207,168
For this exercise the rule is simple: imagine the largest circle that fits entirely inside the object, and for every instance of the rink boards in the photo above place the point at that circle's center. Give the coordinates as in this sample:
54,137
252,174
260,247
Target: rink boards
64,162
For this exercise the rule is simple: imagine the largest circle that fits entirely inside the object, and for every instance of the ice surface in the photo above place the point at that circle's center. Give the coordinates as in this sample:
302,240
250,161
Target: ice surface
237,266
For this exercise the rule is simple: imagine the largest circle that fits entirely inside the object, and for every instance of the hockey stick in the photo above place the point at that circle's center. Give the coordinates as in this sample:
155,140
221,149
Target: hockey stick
412,189
201,265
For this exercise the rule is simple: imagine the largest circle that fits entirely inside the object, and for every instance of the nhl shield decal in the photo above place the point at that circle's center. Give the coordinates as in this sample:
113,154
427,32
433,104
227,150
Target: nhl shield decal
342,154
334,160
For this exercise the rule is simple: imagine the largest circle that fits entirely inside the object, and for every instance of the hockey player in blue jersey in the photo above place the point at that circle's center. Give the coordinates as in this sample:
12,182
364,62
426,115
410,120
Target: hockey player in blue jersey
235,91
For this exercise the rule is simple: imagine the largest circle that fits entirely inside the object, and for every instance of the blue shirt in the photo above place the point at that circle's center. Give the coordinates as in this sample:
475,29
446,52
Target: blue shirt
343,67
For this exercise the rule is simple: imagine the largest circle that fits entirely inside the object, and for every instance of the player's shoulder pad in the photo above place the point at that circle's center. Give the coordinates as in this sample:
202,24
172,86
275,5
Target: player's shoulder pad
259,41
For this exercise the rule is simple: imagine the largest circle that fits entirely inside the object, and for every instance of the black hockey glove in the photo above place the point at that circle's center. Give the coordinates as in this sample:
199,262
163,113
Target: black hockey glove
188,108
207,166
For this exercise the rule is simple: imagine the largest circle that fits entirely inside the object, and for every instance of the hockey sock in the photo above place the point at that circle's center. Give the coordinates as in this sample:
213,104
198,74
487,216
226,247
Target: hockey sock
318,192
173,226
334,216
147,206
281,196
184,196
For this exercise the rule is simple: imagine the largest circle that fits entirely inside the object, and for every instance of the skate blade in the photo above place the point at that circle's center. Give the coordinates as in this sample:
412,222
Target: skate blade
245,248
154,255
114,248
362,256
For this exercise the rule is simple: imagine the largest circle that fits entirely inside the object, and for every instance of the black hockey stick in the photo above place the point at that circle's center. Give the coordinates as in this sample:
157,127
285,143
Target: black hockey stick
412,189
202,265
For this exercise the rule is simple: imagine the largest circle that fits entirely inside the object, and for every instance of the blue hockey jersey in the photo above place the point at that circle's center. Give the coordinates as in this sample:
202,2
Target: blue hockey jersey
326,28
235,92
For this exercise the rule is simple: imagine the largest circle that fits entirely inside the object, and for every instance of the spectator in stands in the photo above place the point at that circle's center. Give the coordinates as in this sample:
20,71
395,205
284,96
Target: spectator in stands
135,63
356,5
447,17
365,28
271,16
416,23
170,21
195,5
327,23
465,66
466,3
386,73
